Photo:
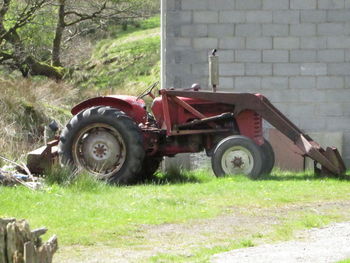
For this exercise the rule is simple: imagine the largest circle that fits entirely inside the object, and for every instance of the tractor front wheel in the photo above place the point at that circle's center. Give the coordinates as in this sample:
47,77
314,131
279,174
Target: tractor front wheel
237,155
105,142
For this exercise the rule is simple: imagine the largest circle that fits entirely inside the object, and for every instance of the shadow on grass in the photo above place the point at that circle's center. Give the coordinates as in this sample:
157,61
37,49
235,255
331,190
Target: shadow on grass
306,176
179,176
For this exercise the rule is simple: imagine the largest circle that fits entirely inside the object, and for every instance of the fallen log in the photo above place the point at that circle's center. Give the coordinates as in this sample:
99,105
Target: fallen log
18,244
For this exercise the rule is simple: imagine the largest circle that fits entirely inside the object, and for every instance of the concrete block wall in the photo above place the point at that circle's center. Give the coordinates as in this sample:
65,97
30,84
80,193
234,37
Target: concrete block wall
296,52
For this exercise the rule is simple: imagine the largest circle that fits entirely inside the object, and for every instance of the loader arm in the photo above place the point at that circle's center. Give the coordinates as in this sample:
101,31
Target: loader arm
329,159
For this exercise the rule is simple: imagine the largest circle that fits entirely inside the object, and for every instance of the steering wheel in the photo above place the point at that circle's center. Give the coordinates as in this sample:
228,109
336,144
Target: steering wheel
148,91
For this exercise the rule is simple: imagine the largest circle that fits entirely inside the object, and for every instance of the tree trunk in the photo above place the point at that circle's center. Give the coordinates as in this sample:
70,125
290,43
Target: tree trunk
56,48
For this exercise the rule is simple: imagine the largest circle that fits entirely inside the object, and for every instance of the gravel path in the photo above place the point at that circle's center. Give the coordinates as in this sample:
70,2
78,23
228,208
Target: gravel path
330,244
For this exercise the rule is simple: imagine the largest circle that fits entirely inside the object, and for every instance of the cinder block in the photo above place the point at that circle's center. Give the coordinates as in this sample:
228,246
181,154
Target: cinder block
194,30
259,42
330,29
231,69
220,30
205,43
189,56
248,30
313,69
248,56
313,124
226,55
200,69
340,96
275,4
303,55
313,42
205,17
303,4
302,110
286,42
258,69
275,56
331,4
338,124
231,16
248,4
275,30
331,55
330,110
179,17
173,5
231,42
286,17
178,69
194,5
347,55
284,96
221,4
274,83
286,69
302,82
313,16
338,42
180,42
303,30
338,15
226,83
259,16
339,69
247,84
330,83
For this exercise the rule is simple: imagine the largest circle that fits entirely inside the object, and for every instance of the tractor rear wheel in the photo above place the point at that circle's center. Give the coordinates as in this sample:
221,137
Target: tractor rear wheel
105,142
237,155
268,157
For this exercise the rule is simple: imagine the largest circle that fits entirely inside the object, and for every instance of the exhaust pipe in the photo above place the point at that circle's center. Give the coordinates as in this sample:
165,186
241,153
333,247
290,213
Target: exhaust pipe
214,70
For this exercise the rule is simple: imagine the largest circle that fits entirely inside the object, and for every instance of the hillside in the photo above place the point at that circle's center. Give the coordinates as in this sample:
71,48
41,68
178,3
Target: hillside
126,63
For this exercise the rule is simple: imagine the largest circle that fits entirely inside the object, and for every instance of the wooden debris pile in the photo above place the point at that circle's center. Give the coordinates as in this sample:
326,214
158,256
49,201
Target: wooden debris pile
18,244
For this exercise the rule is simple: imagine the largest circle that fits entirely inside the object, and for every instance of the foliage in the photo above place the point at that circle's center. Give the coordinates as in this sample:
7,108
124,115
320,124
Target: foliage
127,64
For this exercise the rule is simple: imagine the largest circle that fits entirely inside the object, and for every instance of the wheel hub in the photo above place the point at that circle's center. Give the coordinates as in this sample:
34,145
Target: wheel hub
237,160
101,151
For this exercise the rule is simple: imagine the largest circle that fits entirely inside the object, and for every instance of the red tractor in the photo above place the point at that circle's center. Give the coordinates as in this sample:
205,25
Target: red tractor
116,139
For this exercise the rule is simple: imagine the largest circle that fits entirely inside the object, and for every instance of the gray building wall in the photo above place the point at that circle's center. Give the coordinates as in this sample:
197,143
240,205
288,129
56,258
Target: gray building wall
296,52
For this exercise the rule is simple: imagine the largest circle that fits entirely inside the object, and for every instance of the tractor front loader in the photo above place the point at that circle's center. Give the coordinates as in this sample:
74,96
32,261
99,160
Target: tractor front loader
114,138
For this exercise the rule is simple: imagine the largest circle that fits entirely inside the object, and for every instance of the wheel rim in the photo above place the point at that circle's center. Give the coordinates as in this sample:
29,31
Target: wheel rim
237,160
100,149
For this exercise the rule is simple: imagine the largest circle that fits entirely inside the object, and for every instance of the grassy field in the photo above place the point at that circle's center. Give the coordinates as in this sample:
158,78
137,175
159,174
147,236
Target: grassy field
87,212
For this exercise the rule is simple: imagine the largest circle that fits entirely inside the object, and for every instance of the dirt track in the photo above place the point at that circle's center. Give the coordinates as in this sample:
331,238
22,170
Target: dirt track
330,244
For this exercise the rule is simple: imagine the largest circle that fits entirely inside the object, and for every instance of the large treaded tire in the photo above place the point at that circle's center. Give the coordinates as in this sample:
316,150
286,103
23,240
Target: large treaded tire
240,151
268,157
124,125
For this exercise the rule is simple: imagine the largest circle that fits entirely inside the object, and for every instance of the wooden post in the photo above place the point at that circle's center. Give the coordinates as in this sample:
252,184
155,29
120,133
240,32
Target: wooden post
20,245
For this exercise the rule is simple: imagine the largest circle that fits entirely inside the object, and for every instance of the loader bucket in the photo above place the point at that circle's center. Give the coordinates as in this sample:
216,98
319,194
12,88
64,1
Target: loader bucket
326,161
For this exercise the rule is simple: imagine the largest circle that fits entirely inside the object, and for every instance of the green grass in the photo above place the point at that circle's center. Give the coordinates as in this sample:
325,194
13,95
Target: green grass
126,63
88,212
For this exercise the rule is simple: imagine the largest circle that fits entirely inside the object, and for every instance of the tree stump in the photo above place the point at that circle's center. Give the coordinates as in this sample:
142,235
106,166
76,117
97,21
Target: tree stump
18,244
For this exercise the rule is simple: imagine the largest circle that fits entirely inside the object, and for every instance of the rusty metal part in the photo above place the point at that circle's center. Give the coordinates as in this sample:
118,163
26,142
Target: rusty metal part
223,116
329,159
41,159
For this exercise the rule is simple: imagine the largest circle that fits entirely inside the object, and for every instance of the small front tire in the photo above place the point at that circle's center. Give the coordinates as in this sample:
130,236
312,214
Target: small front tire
236,155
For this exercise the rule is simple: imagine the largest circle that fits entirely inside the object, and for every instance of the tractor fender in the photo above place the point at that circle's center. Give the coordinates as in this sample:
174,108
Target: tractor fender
133,107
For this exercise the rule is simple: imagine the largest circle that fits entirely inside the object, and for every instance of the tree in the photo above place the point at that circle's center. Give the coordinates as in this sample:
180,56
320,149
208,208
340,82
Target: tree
67,19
